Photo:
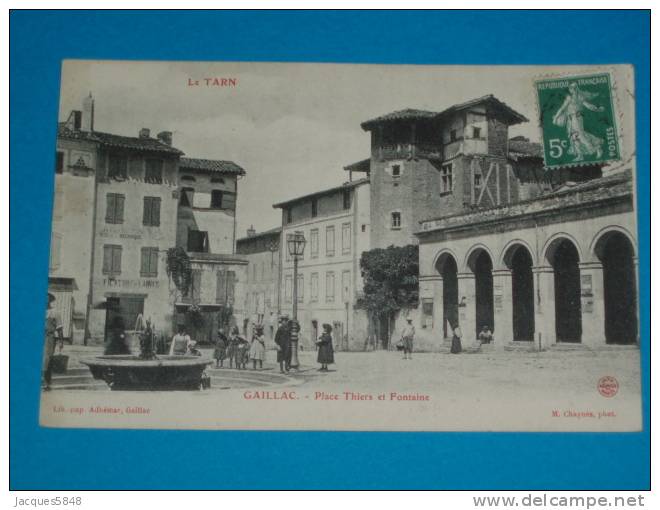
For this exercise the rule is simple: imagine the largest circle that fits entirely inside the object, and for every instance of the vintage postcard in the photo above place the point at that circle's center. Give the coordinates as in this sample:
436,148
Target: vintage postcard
343,247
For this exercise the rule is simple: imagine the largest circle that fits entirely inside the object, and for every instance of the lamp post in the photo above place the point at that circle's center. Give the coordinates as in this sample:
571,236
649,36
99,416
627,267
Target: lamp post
295,243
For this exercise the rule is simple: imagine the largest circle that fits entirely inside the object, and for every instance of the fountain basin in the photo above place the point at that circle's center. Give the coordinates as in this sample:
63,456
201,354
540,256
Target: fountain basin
130,373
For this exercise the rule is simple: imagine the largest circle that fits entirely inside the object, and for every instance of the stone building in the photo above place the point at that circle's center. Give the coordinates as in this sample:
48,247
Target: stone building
206,229
72,231
118,208
560,268
262,299
336,223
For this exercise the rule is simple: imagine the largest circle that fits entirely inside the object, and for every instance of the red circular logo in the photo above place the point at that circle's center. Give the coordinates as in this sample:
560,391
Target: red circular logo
608,386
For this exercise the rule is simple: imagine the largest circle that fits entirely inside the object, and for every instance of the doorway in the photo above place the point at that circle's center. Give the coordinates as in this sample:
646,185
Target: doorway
568,306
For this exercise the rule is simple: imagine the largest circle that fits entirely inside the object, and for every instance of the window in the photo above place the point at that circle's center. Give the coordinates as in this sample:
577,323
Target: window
151,212
187,196
345,286
477,179
452,135
288,288
346,238
346,199
330,286
114,208
149,262
217,180
315,207
476,132
224,289
301,288
446,178
314,287
216,199
198,241
330,241
288,215
396,171
59,162
55,250
112,259
314,243
364,228
396,220
188,178
117,167
153,172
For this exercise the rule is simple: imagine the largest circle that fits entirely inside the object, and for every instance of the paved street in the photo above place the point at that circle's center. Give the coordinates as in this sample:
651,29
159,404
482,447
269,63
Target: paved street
554,372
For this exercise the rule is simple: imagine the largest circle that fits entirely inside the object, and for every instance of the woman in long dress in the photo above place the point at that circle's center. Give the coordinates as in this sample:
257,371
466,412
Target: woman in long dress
570,115
456,340
258,348
326,354
220,351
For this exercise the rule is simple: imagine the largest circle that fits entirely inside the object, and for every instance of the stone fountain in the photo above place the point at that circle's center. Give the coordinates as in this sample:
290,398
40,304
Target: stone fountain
147,371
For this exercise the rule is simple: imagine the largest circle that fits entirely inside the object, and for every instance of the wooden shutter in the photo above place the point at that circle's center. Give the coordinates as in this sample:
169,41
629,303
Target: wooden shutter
146,211
231,281
119,208
228,200
107,259
155,212
144,261
153,261
221,287
116,259
110,208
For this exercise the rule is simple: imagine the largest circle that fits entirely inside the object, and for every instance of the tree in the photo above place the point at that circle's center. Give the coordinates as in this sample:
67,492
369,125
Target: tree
391,281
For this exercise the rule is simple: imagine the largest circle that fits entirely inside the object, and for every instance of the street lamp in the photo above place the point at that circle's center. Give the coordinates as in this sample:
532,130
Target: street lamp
295,243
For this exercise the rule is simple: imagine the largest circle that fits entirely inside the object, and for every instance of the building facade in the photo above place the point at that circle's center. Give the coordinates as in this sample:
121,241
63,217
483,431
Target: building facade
336,224
262,299
560,268
206,229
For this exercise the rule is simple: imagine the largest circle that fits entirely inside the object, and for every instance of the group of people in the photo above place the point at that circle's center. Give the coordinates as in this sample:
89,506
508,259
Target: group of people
408,335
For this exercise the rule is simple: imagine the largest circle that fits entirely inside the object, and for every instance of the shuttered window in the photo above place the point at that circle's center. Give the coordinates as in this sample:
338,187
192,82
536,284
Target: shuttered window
149,262
117,167
228,200
112,259
151,212
153,172
114,211
198,241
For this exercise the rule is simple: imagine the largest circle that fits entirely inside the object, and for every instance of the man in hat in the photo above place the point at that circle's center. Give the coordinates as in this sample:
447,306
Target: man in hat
283,343
407,337
53,329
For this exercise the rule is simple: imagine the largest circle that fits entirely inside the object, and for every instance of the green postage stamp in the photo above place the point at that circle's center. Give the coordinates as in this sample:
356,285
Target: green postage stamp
578,124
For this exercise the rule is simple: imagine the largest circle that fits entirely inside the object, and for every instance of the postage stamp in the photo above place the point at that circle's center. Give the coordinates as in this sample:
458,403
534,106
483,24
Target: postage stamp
577,118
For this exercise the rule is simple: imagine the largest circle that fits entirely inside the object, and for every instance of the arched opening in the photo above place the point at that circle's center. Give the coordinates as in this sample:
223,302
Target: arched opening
482,267
564,258
520,262
446,266
619,287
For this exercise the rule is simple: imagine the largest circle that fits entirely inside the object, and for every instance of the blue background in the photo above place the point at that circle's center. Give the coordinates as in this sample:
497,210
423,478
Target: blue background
43,458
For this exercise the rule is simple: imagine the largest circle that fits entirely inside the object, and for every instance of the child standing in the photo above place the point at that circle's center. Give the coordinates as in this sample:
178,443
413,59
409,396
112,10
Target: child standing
258,347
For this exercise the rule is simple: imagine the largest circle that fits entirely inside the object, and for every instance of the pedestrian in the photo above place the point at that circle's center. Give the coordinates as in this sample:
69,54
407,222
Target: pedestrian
283,345
232,346
53,331
258,348
456,339
485,335
180,342
242,353
326,354
220,351
407,337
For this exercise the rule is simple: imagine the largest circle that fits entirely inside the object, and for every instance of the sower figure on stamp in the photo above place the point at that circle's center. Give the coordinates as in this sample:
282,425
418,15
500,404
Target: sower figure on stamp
283,343
407,337
53,329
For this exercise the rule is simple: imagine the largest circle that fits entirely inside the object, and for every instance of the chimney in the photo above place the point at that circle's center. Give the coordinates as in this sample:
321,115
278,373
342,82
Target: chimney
251,232
87,121
144,133
165,137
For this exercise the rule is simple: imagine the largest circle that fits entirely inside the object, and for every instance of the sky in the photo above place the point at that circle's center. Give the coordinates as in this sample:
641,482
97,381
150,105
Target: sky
292,127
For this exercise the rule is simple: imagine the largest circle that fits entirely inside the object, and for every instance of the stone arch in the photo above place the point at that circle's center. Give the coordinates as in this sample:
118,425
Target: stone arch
440,259
472,254
509,251
600,239
554,241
